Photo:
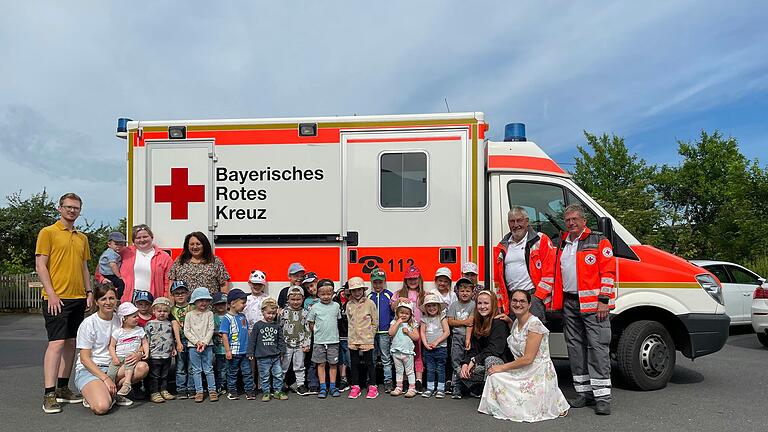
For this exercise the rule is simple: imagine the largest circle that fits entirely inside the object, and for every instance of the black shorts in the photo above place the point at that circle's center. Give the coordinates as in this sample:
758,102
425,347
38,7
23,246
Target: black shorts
65,324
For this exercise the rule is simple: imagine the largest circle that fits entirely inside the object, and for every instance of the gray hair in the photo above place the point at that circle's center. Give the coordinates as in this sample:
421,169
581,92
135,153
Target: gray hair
517,209
575,208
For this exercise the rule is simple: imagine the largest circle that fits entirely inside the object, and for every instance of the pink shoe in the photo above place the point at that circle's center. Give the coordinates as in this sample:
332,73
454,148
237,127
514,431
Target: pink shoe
373,392
354,392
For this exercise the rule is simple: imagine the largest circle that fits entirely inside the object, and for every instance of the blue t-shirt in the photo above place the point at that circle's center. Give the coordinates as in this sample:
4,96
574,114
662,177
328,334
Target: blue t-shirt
107,257
236,329
326,318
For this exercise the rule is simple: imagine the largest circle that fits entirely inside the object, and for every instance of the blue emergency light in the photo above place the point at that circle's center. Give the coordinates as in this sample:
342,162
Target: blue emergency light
122,127
514,132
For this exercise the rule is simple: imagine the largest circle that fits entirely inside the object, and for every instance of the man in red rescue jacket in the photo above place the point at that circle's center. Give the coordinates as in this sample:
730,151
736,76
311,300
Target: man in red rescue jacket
524,260
585,270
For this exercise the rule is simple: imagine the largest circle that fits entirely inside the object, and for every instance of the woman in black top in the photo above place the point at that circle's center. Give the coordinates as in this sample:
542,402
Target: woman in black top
488,343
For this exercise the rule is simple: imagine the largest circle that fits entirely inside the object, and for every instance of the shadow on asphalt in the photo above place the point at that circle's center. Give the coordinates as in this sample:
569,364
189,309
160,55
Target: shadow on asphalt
748,342
683,375
740,330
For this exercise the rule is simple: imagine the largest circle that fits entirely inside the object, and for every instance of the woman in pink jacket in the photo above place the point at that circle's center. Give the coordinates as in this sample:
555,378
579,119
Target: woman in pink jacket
144,266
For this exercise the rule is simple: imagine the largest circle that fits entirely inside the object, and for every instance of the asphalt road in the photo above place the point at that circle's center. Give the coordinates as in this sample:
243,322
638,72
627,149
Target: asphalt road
726,391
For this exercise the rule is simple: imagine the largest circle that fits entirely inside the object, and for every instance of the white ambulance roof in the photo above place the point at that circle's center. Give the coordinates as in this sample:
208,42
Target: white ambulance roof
521,156
479,116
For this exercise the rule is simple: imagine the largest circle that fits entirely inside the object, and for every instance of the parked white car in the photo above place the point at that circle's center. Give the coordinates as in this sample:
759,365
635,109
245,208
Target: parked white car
760,313
739,285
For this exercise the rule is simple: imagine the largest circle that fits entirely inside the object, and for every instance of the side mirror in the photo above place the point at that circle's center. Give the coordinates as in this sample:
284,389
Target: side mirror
761,280
605,224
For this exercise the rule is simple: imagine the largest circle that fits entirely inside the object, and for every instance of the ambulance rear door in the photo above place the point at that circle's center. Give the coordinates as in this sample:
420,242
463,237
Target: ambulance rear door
405,202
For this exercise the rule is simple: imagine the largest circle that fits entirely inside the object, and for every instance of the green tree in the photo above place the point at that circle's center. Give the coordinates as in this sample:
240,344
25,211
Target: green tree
20,221
620,182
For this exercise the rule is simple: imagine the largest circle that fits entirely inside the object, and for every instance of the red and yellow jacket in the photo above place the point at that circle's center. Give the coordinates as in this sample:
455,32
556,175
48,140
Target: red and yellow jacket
539,256
595,272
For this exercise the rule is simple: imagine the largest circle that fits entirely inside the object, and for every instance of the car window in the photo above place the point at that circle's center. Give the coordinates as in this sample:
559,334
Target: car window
742,276
719,271
544,204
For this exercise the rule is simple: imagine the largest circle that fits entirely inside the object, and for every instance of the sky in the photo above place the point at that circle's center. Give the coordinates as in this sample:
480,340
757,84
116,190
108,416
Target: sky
652,72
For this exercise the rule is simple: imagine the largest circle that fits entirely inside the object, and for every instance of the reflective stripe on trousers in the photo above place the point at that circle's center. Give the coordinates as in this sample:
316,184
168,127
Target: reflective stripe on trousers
588,341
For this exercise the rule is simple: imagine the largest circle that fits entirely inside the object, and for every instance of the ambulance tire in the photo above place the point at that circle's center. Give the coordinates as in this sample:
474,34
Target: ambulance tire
646,355
763,338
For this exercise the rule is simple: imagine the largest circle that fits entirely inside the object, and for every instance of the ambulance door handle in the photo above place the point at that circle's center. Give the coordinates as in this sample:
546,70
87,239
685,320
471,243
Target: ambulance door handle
351,238
447,255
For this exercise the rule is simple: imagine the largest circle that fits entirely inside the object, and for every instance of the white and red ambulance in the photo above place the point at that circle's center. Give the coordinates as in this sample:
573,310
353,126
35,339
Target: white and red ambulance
343,195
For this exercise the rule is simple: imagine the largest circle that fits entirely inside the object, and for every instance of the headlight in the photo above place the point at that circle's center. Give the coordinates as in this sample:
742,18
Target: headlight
711,286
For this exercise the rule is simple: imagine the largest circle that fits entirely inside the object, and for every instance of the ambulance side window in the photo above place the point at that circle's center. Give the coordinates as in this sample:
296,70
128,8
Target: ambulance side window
543,202
403,180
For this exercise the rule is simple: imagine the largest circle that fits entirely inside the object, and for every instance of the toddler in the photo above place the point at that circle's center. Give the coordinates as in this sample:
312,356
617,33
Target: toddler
181,307
413,291
234,336
128,339
265,345
219,304
110,261
403,332
434,332
143,300
381,297
460,319
363,319
293,320
257,281
161,348
323,322
443,286
295,276
198,327
344,364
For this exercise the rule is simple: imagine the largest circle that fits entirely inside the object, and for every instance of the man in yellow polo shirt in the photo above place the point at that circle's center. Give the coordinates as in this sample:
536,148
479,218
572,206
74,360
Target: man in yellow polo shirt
61,261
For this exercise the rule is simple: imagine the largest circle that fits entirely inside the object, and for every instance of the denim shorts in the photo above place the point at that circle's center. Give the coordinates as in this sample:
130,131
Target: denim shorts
84,376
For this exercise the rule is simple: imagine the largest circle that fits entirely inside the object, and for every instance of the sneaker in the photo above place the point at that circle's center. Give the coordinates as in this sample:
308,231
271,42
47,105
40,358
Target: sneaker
213,396
373,392
222,392
581,401
199,397
87,405
233,396
603,408
281,396
335,392
439,394
322,394
50,406
426,393
354,392
302,390
343,384
250,395
167,395
396,392
294,388
124,390
156,398
123,401
65,395
419,386
410,393
448,387
265,397
388,386
456,394
180,395
313,390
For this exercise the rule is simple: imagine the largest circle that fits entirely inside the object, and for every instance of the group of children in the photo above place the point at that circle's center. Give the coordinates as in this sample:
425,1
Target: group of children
312,328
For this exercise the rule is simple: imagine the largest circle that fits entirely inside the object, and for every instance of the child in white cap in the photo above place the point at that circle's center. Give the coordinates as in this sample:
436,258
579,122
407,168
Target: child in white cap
434,333
443,282
128,339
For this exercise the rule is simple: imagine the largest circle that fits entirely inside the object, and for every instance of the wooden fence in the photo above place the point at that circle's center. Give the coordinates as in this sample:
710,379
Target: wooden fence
21,292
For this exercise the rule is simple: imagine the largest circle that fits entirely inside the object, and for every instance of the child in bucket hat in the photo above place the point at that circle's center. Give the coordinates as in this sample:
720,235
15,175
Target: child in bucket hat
404,334
363,319
434,333
198,327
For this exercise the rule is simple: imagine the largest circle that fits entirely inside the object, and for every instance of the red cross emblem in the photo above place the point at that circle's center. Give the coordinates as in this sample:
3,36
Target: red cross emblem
179,193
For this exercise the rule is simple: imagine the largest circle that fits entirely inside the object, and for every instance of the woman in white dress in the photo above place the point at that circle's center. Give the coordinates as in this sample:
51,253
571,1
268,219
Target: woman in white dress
524,390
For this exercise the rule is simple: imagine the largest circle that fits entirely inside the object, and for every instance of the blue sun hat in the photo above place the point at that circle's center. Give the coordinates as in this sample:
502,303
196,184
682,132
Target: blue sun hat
201,293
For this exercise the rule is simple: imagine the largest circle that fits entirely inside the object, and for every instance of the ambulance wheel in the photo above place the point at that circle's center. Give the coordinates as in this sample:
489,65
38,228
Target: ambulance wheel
646,355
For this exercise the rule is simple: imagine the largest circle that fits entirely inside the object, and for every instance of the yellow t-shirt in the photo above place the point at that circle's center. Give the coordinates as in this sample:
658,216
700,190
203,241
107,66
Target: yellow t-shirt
66,250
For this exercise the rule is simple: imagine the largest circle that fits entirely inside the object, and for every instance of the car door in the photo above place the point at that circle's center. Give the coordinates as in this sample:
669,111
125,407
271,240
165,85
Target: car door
744,283
731,293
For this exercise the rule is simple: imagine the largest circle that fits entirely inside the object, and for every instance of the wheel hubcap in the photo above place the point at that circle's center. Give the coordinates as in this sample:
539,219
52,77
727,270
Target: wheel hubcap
654,354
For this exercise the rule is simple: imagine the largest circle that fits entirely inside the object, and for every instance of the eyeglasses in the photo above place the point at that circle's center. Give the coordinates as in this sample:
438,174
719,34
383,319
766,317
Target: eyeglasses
71,208
518,301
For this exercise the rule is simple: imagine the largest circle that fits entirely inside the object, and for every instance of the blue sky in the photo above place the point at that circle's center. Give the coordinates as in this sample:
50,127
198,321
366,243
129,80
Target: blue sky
653,72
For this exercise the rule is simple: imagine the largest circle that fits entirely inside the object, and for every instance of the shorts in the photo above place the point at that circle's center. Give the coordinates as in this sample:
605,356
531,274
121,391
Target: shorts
325,353
65,324
84,376
113,369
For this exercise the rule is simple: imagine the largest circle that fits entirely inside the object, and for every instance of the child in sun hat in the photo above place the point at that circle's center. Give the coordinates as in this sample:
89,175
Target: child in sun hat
413,291
363,319
405,336
443,287
128,339
199,327
434,333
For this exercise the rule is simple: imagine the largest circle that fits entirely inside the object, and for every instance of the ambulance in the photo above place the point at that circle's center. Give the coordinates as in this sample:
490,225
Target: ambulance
344,195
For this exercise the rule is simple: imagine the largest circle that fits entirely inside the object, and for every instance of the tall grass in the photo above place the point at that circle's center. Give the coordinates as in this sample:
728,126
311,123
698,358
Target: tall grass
758,265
